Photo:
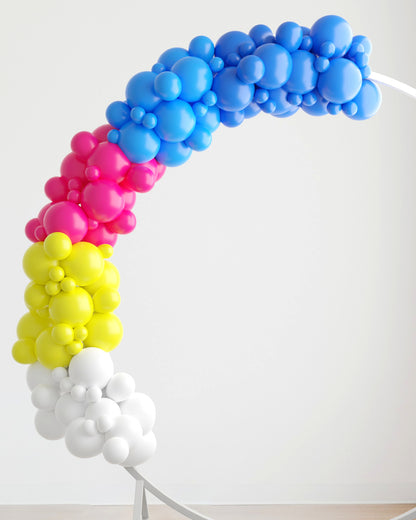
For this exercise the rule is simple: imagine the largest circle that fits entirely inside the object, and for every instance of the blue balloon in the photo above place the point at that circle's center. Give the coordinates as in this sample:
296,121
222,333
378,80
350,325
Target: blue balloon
341,82
232,94
278,63
138,143
304,76
140,91
293,109
251,69
211,120
368,101
202,47
364,41
252,110
261,34
232,119
173,154
171,56
118,113
195,75
319,108
228,45
168,85
279,98
333,29
289,35
175,120
200,139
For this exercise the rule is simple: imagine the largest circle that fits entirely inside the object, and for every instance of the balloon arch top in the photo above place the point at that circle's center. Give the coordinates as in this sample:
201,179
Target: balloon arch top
169,112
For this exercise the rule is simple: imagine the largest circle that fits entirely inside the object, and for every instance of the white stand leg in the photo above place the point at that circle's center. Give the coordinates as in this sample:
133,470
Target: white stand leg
410,515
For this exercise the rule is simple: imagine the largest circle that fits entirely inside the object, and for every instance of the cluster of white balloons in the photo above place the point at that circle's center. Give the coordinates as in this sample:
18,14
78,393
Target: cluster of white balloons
95,409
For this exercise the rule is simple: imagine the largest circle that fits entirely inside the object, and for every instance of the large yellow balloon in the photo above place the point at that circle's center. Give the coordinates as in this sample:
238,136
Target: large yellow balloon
106,299
31,325
49,353
105,331
85,264
57,245
74,308
35,296
109,278
23,351
36,263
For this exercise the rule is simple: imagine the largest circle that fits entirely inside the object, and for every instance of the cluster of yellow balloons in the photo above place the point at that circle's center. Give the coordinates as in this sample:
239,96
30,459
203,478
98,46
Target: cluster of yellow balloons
71,299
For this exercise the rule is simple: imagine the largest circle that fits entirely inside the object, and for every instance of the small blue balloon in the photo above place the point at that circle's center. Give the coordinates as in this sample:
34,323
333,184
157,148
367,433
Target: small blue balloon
175,120
228,44
200,139
232,94
341,82
278,63
211,120
364,41
368,101
168,85
304,75
289,35
140,91
173,154
138,143
261,34
232,119
319,108
250,69
195,76
333,29
279,97
293,109
118,113
202,47
252,110
171,56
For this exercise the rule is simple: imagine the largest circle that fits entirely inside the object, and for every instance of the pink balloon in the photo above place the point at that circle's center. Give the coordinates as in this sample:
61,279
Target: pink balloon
110,160
68,218
124,223
72,166
160,170
56,188
83,144
41,214
102,200
30,229
101,235
129,199
101,132
140,177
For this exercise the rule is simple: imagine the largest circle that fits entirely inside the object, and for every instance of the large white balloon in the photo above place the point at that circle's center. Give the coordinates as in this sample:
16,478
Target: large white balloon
120,387
91,367
102,407
141,450
126,427
66,409
48,425
36,374
80,442
116,450
142,408
44,396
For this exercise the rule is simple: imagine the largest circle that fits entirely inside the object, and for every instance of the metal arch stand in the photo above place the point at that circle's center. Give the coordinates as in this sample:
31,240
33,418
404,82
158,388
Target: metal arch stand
140,510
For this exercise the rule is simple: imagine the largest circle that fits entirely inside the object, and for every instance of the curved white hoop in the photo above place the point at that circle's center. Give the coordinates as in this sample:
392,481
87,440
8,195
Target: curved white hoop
140,511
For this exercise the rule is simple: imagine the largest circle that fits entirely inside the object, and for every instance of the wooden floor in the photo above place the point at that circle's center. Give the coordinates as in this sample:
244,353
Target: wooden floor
160,512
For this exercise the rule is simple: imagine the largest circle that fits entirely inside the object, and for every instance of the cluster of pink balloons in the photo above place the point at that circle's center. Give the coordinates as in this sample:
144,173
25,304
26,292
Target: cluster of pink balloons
93,197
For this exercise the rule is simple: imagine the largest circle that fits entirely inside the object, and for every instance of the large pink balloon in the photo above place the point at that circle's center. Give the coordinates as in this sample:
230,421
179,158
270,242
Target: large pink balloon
102,200
67,218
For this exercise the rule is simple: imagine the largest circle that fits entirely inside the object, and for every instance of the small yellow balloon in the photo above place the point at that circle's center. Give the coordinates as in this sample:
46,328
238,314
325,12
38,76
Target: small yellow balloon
36,263
105,331
23,351
106,299
74,308
109,278
35,296
57,245
49,353
80,333
56,274
52,288
74,347
31,325
106,250
85,264
68,284
62,333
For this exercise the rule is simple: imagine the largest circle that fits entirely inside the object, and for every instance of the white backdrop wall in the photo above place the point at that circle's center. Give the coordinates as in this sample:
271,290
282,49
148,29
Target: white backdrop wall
269,290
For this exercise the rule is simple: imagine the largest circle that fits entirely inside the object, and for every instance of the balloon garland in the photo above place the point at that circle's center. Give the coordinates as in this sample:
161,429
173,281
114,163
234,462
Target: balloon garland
170,111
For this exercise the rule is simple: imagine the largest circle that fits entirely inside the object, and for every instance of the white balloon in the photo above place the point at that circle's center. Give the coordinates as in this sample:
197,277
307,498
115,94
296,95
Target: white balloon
36,374
142,450
115,450
102,407
120,387
142,408
89,427
80,443
65,385
126,427
59,373
66,409
91,367
48,425
94,394
78,393
104,423
44,396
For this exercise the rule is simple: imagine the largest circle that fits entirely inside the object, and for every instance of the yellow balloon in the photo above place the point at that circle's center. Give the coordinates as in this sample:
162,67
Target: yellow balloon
57,245
62,333
74,308
49,353
105,331
106,250
35,296
23,351
74,347
106,299
56,274
36,263
85,264
31,325
109,278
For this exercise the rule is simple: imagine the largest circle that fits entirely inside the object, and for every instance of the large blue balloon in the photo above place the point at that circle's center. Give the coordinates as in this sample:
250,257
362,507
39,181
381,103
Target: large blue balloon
173,154
138,143
368,101
232,94
195,75
332,29
278,64
175,120
341,82
304,76
140,91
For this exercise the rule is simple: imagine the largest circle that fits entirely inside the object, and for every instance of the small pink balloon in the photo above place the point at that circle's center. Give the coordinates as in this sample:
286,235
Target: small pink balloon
102,200
72,166
101,235
30,229
40,234
124,223
129,199
56,188
140,177
101,132
68,218
83,144
41,214
110,160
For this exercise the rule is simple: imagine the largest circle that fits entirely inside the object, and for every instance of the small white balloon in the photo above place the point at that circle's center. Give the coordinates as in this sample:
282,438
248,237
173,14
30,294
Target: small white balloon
115,450
94,394
48,425
142,450
80,443
102,407
142,408
36,374
104,423
44,396
78,393
65,385
126,427
59,373
120,387
66,409
91,367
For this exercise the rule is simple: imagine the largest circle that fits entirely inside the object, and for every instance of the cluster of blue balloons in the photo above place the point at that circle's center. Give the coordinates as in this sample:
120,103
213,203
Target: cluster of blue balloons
174,108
